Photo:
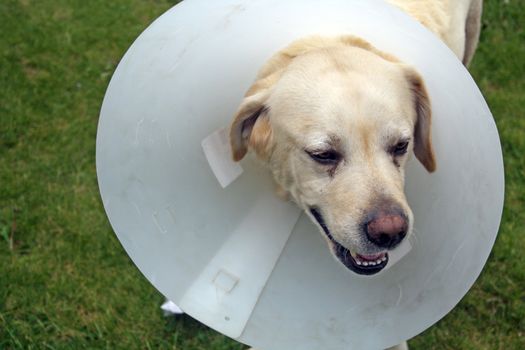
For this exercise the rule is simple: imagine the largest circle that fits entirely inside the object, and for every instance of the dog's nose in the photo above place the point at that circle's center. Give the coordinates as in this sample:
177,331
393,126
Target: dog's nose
386,229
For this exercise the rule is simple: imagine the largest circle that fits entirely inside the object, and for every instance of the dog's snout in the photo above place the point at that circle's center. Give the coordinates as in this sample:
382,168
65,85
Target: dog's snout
386,229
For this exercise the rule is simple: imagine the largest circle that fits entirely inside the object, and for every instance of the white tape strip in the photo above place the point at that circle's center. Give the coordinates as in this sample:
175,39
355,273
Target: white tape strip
216,147
227,290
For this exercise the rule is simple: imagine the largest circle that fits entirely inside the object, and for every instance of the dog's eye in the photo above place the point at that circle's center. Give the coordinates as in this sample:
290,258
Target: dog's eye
325,157
400,148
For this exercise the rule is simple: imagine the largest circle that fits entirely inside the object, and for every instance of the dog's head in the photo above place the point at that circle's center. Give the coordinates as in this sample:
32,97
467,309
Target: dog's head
335,120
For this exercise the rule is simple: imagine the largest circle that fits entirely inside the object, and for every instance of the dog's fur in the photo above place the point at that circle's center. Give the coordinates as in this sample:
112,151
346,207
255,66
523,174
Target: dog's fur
331,117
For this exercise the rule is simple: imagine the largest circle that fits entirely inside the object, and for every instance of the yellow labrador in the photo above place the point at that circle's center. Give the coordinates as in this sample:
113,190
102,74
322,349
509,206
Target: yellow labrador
335,119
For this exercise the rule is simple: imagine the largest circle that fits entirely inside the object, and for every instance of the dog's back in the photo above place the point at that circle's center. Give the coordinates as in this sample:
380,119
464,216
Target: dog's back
456,22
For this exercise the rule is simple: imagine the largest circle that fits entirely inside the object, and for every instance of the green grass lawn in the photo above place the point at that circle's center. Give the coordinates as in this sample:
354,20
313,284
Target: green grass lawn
65,281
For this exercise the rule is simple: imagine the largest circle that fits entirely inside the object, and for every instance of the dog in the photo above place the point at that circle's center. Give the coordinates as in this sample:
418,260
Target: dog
335,119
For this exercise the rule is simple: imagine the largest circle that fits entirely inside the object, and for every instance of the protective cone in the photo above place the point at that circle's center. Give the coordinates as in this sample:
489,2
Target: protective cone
212,237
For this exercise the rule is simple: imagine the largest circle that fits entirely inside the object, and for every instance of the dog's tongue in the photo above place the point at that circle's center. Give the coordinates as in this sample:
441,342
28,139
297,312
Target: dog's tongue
371,256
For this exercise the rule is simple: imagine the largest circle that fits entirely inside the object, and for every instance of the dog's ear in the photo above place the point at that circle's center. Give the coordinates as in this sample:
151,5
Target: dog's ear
251,126
423,127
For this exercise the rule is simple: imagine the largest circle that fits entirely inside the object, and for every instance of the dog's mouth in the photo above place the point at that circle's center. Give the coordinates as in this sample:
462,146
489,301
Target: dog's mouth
362,264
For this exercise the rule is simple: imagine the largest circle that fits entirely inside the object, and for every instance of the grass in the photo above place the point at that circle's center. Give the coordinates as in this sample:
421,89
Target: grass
65,281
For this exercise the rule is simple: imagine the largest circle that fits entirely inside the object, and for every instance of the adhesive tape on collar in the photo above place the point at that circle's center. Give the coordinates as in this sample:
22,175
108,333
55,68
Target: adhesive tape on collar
212,237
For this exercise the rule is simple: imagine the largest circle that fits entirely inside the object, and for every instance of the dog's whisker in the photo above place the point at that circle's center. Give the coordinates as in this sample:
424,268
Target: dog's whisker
414,237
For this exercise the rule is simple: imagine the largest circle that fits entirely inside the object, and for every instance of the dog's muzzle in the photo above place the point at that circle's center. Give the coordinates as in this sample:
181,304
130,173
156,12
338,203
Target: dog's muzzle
361,264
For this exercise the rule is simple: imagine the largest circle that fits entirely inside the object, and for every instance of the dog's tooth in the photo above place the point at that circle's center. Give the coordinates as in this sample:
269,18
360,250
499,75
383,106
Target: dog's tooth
373,263
358,262
365,263
378,261
383,258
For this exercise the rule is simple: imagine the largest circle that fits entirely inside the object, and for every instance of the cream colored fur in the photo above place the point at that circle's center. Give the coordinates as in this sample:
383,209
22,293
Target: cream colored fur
456,22
344,96
336,93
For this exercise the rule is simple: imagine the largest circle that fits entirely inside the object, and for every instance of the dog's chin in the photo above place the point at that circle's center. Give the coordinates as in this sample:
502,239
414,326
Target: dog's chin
362,264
